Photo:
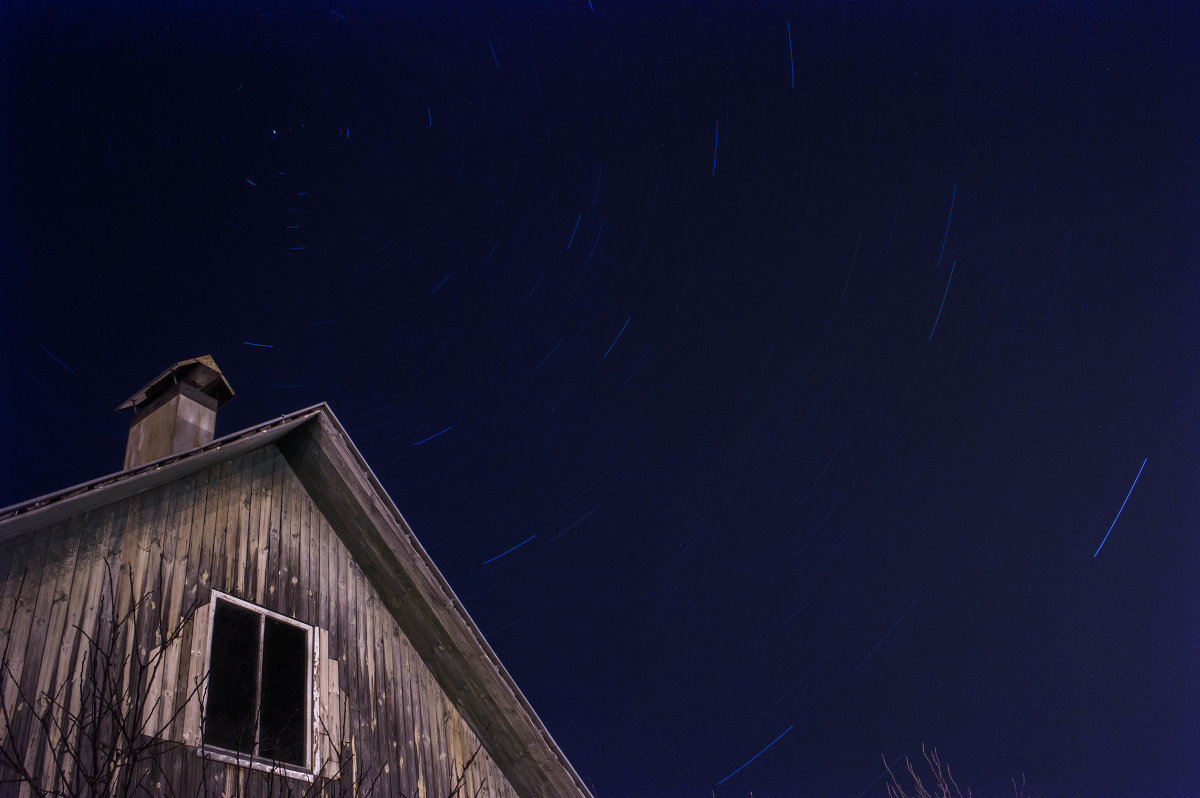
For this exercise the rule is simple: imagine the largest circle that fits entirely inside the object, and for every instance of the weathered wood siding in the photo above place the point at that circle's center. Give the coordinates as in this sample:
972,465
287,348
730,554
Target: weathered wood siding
246,527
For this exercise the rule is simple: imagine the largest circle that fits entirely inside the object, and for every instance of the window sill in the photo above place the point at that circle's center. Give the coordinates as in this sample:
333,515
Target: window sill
245,761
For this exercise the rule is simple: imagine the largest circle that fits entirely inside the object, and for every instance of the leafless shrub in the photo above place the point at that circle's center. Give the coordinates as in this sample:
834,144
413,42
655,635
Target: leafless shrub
942,783
89,735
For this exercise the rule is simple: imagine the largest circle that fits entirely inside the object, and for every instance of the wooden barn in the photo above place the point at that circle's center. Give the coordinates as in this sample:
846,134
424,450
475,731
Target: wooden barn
249,615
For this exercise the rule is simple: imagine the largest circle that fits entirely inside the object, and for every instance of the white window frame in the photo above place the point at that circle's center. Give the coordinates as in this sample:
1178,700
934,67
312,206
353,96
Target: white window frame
312,707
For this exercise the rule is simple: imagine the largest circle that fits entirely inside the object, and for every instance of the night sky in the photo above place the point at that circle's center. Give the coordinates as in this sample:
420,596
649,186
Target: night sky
760,376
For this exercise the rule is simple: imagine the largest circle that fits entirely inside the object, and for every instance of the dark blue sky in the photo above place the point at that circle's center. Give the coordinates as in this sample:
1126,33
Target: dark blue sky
800,356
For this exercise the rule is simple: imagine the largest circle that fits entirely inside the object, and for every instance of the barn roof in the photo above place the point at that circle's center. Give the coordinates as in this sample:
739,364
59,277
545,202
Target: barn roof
342,485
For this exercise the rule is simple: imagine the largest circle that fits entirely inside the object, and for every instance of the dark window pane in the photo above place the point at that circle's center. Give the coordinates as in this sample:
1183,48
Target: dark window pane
284,688
232,678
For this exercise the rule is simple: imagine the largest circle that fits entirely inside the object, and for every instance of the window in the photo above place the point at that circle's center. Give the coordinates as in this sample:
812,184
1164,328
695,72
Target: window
260,676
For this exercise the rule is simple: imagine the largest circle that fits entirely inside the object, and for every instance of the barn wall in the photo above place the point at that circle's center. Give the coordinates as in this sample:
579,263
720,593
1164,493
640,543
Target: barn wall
246,527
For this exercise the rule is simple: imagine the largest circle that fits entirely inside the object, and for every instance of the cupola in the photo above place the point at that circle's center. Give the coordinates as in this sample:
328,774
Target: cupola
176,411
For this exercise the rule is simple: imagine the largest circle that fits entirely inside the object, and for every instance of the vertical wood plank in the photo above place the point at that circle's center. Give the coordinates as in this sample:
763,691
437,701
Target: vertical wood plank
8,552
366,623
49,697
193,599
368,762
146,510
294,561
243,585
345,621
404,678
17,604
359,697
175,539
139,534
320,733
437,738
339,709
394,716
297,504
196,678
103,527
185,599
321,594
33,604
220,529
279,519
420,721
12,642
157,521
208,529
192,566
309,566
453,736
239,515
265,500
380,690
332,599
148,622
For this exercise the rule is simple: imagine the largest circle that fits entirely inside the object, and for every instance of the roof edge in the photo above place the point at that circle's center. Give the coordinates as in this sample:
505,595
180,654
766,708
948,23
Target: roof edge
35,509
414,590
456,604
